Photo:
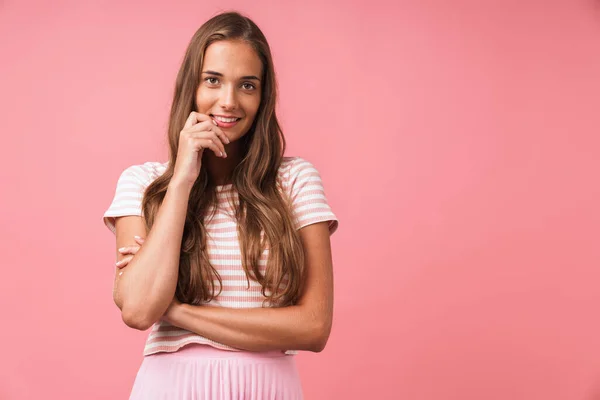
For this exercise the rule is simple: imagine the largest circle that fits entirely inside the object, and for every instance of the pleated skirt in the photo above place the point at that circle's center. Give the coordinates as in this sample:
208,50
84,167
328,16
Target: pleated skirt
201,372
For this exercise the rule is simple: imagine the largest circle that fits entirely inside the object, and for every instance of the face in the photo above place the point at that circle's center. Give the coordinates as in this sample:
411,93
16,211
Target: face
230,86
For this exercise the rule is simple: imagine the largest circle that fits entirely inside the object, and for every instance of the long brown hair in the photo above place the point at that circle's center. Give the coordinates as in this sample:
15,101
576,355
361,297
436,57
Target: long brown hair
264,214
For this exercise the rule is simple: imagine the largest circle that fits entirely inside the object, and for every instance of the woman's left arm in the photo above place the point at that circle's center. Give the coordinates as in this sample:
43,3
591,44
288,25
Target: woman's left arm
304,326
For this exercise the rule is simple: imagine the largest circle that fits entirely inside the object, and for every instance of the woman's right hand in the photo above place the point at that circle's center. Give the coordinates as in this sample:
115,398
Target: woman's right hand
129,250
199,132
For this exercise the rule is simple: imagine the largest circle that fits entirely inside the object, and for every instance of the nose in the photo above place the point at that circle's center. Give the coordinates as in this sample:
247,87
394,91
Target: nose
228,99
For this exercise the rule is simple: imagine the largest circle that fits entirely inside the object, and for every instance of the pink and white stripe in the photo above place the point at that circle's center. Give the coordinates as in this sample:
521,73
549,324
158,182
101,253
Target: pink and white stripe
299,179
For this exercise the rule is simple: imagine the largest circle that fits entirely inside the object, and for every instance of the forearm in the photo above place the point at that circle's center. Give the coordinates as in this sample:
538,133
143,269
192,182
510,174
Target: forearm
148,283
256,329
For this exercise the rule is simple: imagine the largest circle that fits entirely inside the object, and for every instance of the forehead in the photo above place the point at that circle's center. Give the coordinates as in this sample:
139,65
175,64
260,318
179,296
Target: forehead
232,58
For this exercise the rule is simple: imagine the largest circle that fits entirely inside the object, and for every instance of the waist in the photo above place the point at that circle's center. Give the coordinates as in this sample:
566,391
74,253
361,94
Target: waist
196,350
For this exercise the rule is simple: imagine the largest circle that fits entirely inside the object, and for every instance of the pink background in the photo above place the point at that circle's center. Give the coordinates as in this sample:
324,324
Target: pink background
458,144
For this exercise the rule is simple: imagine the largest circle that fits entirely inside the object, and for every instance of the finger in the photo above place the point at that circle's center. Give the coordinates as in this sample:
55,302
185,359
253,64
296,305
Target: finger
211,142
124,262
216,148
194,118
191,120
210,135
201,127
217,140
201,118
129,249
210,125
138,239
222,136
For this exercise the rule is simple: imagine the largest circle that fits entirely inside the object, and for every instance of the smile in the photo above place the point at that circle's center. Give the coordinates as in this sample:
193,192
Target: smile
226,120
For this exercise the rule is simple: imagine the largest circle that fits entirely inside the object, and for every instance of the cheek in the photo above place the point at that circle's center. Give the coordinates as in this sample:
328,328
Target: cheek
203,100
252,107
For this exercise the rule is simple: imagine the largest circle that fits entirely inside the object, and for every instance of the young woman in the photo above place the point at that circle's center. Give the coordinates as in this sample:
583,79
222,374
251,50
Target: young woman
224,249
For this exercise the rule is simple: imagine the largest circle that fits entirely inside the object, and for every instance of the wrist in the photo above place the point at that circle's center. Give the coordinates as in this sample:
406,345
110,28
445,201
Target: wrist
174,314
180,187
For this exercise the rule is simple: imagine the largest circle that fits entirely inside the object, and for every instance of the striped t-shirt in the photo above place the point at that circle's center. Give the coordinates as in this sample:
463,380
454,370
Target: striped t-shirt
299,179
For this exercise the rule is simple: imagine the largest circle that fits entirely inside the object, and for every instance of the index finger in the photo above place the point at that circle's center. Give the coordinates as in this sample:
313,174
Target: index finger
195,117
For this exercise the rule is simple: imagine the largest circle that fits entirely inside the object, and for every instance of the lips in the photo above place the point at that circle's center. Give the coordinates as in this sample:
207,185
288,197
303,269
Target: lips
223,122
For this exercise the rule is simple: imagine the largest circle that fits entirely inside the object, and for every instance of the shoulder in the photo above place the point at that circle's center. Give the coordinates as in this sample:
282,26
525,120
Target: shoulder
296,167
143,174
130,191
303,184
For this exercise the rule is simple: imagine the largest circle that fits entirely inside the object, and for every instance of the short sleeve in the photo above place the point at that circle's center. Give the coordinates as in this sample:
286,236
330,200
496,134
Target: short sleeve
128,197
307,193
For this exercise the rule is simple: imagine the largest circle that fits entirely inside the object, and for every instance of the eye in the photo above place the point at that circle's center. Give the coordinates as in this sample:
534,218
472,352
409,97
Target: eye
212,80
248,86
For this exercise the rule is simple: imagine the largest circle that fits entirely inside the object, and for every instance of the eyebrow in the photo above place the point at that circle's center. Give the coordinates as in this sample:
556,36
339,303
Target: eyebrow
220,74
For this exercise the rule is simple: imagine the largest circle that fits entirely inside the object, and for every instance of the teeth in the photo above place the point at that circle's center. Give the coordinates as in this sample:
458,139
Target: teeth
223,119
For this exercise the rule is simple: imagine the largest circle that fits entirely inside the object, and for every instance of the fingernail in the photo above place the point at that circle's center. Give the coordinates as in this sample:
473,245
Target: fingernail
225,155
137,237
215,122
119,262
122,249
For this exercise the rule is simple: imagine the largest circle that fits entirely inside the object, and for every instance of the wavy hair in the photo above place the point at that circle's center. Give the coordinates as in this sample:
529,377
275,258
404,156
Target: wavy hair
263,213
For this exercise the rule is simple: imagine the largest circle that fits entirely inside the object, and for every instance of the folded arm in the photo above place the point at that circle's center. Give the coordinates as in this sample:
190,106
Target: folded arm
144,289
305,326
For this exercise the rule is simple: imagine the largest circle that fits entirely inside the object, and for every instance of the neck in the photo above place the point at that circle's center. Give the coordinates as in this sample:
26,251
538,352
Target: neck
220,169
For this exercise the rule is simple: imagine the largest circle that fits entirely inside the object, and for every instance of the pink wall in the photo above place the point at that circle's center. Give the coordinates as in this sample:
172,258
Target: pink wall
458,144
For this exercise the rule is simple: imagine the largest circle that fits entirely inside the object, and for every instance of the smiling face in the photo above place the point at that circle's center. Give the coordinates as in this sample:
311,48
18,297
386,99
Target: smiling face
230,86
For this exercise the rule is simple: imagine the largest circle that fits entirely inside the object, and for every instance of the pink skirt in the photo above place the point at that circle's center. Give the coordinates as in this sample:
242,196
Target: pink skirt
198,372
